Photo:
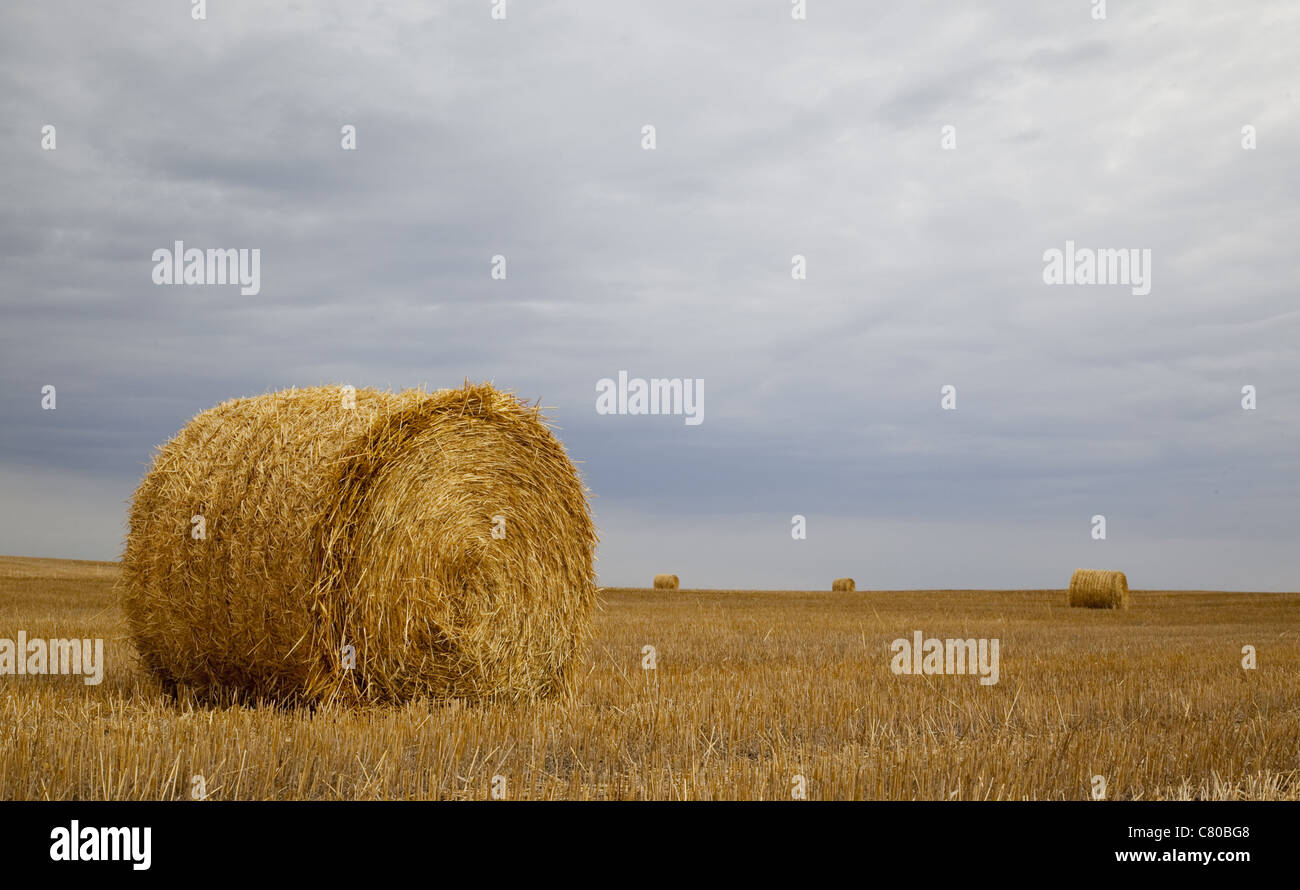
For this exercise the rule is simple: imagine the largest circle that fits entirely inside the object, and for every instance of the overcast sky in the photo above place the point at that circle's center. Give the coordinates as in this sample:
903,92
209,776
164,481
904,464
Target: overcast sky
775,137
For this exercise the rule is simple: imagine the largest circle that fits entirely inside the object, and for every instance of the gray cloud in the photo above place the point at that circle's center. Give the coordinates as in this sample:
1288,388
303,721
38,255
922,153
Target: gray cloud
775,138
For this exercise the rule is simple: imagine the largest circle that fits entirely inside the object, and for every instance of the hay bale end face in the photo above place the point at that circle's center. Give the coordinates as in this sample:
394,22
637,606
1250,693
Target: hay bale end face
356,545
843,584
666,582
1095,589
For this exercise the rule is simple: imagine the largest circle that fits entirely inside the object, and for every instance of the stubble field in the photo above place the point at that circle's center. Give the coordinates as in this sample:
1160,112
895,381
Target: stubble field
750,690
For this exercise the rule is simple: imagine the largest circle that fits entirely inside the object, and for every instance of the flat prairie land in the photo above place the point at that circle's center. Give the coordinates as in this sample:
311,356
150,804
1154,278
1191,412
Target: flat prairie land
750,690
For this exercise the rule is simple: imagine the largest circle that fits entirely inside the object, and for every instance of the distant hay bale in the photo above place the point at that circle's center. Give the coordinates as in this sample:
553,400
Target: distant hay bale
666,582
1096,589
843,584
417,544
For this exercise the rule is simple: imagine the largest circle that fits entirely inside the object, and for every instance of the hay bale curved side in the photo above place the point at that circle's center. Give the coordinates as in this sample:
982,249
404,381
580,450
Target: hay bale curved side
1097,589
666,582
844,584
369,527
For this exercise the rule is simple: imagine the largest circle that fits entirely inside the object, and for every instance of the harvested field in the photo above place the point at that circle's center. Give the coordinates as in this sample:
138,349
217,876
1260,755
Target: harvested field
751,688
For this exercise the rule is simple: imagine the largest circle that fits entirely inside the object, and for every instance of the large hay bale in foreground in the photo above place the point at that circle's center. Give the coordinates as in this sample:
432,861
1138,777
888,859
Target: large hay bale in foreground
444,536
843,584
1096,589
666,582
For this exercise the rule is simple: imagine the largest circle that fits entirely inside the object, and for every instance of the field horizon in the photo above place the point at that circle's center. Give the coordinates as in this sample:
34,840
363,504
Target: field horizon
7,561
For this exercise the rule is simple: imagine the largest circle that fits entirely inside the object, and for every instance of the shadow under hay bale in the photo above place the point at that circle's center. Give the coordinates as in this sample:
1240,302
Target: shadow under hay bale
302,546
1096,589
666,582
846,584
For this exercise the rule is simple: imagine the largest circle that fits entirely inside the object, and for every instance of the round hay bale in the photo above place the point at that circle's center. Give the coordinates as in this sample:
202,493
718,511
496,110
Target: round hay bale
1096,589
843,584
666,582
290,547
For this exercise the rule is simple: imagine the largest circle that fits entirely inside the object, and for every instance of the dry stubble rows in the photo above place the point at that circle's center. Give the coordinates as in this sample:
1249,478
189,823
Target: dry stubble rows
751,688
